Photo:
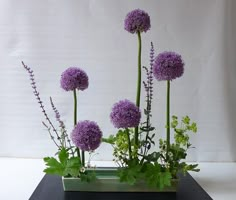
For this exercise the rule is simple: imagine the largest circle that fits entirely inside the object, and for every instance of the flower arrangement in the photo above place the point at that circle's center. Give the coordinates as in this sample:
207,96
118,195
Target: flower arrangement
134,143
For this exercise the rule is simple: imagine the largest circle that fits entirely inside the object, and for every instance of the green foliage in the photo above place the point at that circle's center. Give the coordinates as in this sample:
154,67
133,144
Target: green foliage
181,137
178,150
156,177
157,169
153,173
88,176
110,140
65,166
72,167
153,157
121,146
54,167
131,173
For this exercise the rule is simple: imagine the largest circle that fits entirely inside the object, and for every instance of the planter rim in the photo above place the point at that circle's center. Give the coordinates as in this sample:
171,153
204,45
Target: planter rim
107,181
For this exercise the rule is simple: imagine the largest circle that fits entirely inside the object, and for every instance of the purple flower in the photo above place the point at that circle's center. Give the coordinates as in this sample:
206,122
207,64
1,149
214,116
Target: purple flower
125,114
137,21
74,78
36,94
168,66
87,135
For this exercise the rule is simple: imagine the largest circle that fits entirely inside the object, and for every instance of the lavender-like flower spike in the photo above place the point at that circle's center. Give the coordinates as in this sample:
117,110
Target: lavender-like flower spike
36,94
64,134
148,85
150,75
87,135
152,52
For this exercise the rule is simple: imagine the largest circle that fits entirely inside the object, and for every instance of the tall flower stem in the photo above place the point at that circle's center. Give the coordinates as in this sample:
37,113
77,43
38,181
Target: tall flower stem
139,80
75,117
83,158
75,107
129,143
168,119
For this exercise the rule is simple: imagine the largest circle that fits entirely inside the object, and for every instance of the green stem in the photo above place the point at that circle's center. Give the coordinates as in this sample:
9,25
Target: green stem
83,158
138,83
75,116
129,143
75,108
168,119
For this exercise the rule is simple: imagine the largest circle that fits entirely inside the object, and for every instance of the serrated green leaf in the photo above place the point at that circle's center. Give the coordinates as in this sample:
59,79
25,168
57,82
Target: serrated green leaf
54,167
52,162
164,179
46,159
63,156
186,120
88,177
131,173
73,166
194,127
54,171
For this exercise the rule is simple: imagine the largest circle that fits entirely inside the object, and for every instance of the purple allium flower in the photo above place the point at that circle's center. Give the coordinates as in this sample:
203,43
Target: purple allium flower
137,21
87,135
125,114
74,78
168,66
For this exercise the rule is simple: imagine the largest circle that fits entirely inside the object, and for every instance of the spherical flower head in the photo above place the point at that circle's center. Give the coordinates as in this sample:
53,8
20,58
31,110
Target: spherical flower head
168,66
125,114
137,21
87,135
74,78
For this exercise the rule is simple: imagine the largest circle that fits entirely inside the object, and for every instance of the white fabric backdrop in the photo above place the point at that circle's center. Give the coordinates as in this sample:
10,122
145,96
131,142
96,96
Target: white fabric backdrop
52,35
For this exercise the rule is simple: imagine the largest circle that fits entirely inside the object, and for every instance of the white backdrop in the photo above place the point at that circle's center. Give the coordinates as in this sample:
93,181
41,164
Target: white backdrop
52,35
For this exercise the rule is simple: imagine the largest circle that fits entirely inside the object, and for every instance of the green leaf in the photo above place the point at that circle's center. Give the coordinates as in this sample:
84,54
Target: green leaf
151,174
179,131
192,168
194,127
63,156
174,117
156,177
64,166
52,162
54,167
186,120
174,124
73,166
110,140
46,159
131,173
88,177
165,179
153,157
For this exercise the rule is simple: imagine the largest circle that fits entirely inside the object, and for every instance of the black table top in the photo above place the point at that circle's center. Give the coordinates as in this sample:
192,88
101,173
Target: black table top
50,188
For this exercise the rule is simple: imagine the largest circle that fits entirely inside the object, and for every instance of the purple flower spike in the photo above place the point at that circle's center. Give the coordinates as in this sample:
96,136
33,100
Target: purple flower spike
137,21
74,78
168,66
125,114
87,135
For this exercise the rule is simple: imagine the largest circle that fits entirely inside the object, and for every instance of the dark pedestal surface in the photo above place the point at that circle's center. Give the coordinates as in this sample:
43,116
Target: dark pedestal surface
50,188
